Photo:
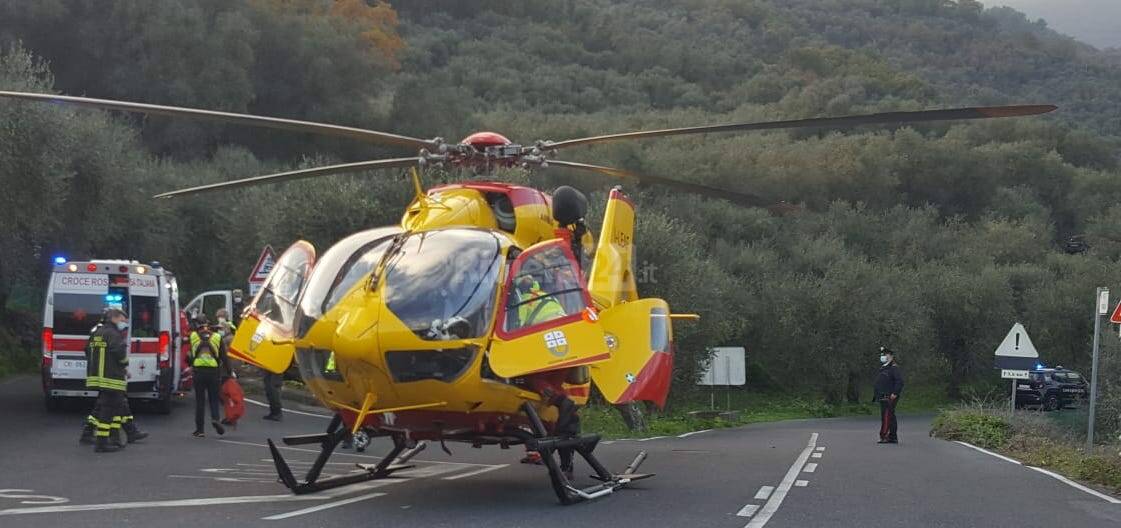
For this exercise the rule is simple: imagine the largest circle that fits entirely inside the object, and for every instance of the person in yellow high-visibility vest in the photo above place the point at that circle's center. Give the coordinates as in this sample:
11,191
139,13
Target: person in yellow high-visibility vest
535,305
206,355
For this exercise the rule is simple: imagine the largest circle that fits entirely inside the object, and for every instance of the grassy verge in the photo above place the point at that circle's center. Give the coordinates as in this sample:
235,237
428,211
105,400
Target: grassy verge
1037,439
14,357
752,407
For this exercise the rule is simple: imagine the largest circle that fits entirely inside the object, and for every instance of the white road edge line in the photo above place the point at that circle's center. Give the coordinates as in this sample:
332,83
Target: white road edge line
260,404
651,438
748,511
320,507
1060,478
764,492
479,471
779,495
691,433
990,453
1103,496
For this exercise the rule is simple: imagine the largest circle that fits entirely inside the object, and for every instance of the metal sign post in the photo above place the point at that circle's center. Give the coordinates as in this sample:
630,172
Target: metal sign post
1101,307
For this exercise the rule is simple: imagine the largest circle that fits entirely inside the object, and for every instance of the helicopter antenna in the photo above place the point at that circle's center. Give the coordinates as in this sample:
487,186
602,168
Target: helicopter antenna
417,186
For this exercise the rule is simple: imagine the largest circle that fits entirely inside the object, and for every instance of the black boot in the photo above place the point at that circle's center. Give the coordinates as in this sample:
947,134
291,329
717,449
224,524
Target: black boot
133,432
103,445
115,437
87,434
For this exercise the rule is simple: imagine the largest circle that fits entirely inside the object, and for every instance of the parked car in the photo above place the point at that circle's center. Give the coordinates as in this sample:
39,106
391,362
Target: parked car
1051,388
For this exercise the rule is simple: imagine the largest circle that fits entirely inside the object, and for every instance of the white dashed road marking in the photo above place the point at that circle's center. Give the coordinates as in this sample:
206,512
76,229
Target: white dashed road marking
764,492
475,472
810,468
748,511
801,483
816,455
779,494
321,507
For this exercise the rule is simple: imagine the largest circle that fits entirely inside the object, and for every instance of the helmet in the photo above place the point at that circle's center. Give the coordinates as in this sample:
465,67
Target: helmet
112,310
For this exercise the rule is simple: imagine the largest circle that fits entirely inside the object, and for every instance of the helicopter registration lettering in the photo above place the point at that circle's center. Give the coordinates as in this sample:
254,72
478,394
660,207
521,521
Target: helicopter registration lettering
557,343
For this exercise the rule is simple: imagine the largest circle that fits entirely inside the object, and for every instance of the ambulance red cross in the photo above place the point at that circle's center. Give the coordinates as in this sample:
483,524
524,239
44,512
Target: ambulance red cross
77,293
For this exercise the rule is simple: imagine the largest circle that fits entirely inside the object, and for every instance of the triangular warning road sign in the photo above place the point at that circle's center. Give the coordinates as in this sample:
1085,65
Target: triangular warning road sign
1116,317
264,266
1017,344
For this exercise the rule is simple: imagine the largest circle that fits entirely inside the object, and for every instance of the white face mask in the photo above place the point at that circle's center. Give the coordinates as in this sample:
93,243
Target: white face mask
883,359
221,320
122,325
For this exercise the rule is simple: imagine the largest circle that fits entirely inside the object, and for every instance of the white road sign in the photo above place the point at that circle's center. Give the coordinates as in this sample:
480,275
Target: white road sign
728,367
1017,344
261,270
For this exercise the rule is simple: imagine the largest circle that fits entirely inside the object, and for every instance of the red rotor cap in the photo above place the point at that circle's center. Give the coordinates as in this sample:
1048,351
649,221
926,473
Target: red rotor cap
482,140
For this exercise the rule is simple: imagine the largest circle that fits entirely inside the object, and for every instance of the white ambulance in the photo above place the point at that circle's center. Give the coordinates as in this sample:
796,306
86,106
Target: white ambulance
78,293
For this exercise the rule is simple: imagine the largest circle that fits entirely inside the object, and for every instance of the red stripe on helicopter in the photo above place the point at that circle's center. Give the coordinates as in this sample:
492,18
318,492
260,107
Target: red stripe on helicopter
653,381
577,391
616,194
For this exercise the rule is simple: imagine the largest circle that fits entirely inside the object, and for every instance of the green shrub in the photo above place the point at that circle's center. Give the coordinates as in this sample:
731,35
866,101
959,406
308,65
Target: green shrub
971,425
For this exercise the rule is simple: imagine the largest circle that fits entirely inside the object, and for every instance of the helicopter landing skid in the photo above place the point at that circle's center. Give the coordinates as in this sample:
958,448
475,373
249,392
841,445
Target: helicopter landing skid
567,492
393,462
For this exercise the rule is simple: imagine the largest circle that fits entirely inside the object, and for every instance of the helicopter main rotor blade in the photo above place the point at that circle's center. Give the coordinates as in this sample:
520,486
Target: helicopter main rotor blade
694,188
295,175
981,112
228,117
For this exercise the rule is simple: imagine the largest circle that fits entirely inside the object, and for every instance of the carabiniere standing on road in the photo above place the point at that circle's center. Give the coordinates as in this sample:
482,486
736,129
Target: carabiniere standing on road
888,388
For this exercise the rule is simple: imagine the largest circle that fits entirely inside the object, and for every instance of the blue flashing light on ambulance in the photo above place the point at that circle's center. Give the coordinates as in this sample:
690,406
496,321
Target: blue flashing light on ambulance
77,294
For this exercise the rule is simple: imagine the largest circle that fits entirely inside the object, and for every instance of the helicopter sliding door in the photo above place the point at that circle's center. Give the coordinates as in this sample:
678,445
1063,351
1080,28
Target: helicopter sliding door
265,337
641,364
547,321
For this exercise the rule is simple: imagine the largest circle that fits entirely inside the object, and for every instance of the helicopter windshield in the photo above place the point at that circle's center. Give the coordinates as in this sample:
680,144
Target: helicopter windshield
442,284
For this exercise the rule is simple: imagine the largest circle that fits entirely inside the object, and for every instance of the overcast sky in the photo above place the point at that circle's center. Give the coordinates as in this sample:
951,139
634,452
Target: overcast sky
1096,22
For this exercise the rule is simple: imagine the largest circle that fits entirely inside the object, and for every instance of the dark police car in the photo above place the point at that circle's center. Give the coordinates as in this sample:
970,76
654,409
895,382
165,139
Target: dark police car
1051,388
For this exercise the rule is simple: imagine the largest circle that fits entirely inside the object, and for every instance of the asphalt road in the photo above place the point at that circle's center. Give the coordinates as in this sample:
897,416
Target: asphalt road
791,474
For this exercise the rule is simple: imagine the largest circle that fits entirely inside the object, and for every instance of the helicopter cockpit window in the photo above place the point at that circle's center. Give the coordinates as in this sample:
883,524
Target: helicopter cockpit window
279,295
340,267
545,286
442,284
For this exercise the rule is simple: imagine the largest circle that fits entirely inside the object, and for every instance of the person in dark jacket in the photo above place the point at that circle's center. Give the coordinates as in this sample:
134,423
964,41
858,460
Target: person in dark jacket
106,369
888,388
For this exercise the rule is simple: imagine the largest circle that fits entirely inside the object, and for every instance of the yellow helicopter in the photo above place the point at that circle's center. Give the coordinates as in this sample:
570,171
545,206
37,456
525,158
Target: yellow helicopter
476,319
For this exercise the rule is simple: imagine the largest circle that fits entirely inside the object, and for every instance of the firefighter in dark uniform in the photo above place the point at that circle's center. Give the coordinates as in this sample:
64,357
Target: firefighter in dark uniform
888,388
207,357
106,368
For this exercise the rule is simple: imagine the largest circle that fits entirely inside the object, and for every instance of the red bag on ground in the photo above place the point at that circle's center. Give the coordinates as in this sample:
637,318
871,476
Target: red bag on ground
233,400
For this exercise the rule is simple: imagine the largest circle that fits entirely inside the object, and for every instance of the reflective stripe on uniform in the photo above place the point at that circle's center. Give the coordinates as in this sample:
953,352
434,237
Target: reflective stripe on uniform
101,382
208,358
